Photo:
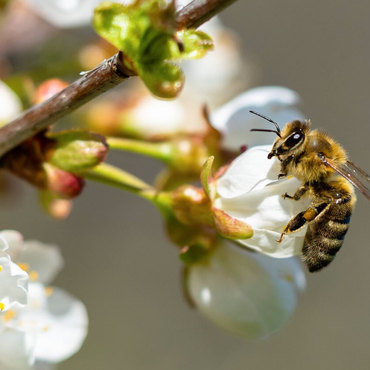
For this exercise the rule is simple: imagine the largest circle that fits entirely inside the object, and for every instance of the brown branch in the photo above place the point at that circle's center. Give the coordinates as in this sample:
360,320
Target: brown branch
198,12
108,74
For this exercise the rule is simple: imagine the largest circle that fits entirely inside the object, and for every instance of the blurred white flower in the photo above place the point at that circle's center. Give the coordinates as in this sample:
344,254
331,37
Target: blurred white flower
154,117
53,324
221,73
65,13
244,292
249,191
234,120
68,13
10,104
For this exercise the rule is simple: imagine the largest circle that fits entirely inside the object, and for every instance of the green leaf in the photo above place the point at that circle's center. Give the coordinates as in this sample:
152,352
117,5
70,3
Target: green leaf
145,31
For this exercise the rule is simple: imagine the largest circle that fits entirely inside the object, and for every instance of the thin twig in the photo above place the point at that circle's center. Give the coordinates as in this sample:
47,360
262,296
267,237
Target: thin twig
198,12
108,74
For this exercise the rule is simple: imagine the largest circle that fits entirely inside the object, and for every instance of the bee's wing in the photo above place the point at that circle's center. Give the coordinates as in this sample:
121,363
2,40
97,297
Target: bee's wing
354,174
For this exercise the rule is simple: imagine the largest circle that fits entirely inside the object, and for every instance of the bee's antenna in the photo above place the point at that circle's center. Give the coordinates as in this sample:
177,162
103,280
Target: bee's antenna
260,129
267,119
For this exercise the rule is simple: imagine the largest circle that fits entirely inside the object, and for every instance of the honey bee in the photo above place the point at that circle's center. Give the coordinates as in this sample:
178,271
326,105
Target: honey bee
327,178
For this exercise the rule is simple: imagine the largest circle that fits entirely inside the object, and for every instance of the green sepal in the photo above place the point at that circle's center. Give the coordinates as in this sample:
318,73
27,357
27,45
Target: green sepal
195,44
205,176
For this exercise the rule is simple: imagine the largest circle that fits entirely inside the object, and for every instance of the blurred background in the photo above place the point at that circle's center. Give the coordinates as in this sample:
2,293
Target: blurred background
120,263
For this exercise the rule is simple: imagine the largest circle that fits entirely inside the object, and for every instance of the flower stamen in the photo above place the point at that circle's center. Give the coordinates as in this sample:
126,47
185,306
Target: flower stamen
48,291
34,275
9,315
24,266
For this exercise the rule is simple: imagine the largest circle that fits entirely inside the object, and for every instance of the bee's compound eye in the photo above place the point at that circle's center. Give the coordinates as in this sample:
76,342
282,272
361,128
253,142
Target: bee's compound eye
294,139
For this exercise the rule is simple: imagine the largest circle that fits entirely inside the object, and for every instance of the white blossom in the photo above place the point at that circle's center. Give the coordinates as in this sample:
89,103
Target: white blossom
156,117
249,191
52,325
221,73
244,292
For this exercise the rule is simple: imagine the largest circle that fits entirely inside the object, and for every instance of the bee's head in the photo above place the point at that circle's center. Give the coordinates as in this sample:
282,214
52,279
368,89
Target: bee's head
290,140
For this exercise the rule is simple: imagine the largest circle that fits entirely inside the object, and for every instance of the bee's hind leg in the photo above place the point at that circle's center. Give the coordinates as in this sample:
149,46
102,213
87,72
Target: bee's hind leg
298,194
300,220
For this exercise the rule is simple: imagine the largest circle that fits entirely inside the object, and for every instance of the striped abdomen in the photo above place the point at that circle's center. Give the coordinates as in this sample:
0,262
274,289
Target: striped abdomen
325,234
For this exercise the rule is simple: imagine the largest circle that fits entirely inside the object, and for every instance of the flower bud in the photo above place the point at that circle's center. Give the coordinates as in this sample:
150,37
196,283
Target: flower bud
28,161
48,88
188,154
57,207
191,206
77,150
65,184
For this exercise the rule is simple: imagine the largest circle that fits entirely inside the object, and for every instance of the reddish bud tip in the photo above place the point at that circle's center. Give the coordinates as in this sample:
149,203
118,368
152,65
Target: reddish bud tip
48,88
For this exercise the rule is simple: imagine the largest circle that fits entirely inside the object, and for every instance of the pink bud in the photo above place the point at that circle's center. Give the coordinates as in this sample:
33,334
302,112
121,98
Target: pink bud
47,89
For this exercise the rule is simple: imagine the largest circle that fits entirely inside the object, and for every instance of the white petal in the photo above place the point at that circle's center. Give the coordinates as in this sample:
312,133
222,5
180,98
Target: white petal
45,259
13,280
10,104
61,323
250,170
14,240
264,207
13,283
16,348
235,121
246,293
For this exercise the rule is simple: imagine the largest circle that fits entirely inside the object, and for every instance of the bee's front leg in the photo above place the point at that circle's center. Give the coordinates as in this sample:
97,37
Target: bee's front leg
298,194
283,166
300,220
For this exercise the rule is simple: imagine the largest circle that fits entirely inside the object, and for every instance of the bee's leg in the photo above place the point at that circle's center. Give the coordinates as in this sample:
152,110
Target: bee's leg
300,220
283,166
298,194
